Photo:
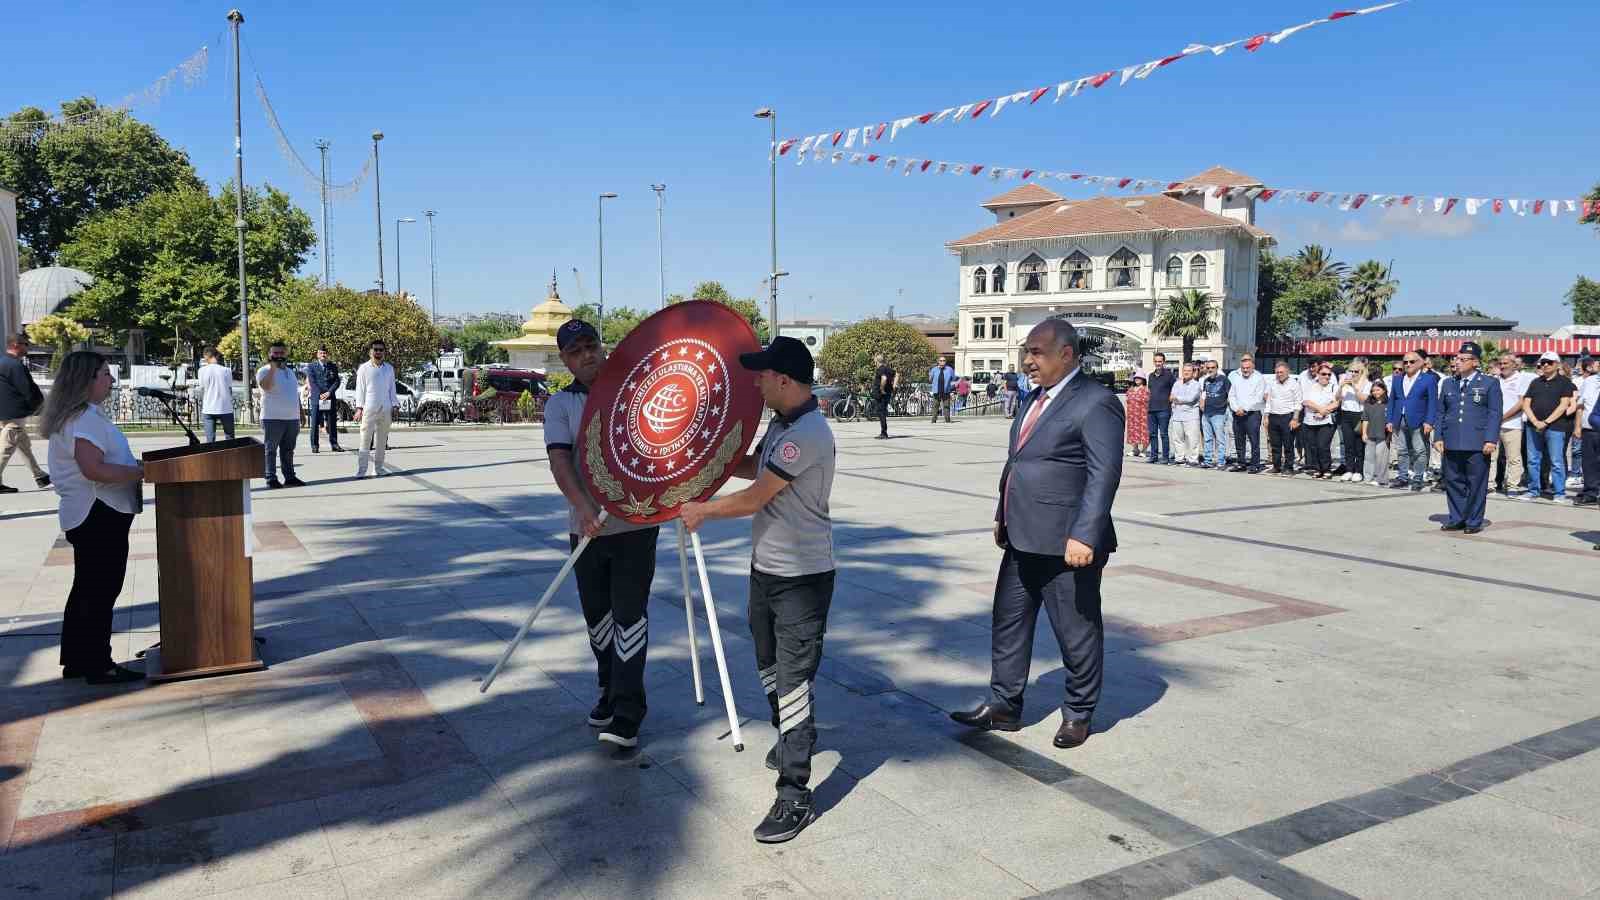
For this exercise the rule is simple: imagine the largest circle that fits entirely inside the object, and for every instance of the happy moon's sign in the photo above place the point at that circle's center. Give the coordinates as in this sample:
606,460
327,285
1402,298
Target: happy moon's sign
671,413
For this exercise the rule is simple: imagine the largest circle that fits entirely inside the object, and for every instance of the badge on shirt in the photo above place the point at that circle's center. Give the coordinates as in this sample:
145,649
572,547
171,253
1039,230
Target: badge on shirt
1478,395
788,452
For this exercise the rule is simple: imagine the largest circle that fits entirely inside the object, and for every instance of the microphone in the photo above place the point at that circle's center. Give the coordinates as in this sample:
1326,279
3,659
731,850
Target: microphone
169,399
158,393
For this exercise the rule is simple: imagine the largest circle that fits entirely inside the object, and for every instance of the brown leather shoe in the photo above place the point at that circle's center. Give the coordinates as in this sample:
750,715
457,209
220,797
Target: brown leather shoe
1072,733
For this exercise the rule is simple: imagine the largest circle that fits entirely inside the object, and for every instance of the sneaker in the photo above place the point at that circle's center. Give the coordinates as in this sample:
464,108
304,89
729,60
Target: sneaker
1416,489
1585,500
1561,500
315,450
7,489
600,716
785,820
623,734
42,480
772,758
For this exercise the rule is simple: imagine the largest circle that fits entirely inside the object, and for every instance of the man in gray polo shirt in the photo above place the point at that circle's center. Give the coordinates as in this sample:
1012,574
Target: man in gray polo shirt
791,566
615,570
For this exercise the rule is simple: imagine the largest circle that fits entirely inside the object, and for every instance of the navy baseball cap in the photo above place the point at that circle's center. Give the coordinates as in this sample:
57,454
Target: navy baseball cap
571,330
1471,349
786,356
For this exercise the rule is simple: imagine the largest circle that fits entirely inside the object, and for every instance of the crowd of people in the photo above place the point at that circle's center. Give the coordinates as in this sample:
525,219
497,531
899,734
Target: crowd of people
1357,424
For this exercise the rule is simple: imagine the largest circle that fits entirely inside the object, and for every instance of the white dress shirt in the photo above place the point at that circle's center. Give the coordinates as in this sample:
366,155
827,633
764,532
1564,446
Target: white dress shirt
1511,391
1284,397
1247,394
1588,399
375,387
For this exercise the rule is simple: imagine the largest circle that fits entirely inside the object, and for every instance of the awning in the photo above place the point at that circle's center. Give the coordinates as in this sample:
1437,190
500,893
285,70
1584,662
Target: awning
1434,346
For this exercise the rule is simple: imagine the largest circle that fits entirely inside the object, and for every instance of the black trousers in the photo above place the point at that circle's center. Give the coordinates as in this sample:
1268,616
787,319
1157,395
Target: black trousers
1071,598
1319,446
326,417
99,563
1282,439
614,575
1465,474
883,413
788,616
1355,449
941,401
1247,428
1591,463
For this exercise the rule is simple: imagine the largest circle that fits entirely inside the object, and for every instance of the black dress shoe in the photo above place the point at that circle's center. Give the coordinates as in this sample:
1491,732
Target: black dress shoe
293,482
1472,529
337,448
772,758
989,717
274,484
42,481
1072,733
114,675
1456,527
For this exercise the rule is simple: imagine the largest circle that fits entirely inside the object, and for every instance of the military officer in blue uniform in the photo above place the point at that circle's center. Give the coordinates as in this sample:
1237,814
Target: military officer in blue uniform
1466,429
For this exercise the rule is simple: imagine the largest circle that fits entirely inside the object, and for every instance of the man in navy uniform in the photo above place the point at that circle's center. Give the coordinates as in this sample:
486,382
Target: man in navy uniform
1466,430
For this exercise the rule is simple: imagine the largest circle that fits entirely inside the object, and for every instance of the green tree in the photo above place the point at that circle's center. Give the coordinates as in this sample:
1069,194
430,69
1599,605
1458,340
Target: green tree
60,331
1369,290
1313,262
847,356
1593,218
1188,316
620,321
475,339
1275,274
168,262
750,309
264,329
306,316
1308,305
26,258
1584,298
1464,309
64,176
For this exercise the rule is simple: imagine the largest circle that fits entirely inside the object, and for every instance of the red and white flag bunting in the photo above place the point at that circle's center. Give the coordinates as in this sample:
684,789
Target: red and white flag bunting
1345,201
848,138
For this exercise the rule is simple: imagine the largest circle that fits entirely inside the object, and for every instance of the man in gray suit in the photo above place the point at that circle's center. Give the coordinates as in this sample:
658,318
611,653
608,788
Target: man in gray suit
1054,522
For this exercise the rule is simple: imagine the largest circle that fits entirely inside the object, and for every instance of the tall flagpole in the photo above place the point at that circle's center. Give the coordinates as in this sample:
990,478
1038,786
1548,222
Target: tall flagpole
237,18
327,249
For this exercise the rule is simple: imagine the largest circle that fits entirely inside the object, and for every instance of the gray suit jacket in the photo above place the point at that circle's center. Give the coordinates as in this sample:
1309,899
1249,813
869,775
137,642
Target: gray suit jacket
1062,482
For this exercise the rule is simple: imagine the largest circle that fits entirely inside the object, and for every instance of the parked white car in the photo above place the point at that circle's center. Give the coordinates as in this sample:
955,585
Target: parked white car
406,408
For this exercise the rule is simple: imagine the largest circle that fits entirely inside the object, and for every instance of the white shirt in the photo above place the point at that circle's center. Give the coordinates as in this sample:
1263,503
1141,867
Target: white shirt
1353,400
1247,394
216,390
1186,400
1511,391
1050,393
77,492
282,401
1321,394
1284,397
1588,398
1407,382
375,387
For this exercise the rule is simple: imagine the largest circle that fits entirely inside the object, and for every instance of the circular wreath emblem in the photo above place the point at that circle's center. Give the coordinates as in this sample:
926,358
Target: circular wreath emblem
671,412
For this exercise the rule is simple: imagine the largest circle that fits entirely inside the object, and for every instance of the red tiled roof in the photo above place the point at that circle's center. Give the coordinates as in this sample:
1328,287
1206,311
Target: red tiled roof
1103,215
1027,193
1221,176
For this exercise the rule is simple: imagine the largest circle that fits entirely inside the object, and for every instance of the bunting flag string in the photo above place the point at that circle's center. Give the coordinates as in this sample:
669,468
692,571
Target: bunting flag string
188,73
848,138
1344,201
341,191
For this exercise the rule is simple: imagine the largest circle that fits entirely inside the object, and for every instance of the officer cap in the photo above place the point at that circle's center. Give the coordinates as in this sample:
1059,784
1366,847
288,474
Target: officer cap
1471,349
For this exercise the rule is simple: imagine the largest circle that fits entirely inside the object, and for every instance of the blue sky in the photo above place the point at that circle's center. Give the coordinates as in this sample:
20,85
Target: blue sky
510,118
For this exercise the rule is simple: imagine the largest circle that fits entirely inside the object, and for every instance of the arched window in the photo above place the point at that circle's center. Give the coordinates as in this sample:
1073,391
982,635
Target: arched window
1030,275
1122,270
1075,272
1175,272
1198,275
997,281
980,281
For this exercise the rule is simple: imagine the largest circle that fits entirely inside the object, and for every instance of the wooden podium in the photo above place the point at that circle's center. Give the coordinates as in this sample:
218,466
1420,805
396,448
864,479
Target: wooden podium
204,545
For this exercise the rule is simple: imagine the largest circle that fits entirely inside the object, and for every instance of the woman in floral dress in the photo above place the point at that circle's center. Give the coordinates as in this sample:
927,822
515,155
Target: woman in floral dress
1138,409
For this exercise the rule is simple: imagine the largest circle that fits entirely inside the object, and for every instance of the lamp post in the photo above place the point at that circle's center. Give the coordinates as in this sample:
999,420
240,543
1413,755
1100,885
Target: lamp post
661,241
600,205
433,265
377,198
404,220
771,115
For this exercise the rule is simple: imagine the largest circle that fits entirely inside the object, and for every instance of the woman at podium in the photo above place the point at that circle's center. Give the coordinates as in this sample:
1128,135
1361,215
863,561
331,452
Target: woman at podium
98,480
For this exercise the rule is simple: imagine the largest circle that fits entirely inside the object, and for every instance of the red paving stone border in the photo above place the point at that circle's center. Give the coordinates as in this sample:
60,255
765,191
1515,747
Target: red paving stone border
271,537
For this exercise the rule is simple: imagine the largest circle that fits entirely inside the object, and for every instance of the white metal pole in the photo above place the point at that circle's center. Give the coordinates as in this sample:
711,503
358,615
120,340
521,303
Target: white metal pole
688,608
538,608
716,646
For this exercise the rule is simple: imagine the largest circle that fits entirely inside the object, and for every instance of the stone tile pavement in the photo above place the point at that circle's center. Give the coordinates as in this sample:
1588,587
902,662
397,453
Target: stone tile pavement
1311,692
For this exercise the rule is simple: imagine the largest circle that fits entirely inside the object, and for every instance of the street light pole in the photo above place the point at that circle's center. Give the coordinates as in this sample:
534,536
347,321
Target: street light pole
433,265
771,115
661,240
377,195
600,205
327,251
236,19
398,290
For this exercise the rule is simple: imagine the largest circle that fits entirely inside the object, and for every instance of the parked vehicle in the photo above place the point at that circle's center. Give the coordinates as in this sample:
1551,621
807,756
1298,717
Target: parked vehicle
405,394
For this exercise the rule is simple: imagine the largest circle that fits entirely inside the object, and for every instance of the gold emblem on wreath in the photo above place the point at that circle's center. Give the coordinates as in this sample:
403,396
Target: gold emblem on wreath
608,484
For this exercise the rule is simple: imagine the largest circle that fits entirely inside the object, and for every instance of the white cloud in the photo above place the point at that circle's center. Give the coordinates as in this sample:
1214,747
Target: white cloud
1396,221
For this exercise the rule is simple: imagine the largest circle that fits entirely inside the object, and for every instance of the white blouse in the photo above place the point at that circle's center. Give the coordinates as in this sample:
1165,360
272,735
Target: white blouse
1321,394
77,492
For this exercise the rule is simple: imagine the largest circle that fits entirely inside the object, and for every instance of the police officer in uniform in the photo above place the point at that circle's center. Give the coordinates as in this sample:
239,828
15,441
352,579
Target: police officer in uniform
615,570
1466,430
791,566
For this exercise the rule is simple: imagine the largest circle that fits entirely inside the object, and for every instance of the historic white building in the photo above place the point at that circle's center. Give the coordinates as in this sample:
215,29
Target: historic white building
1107,265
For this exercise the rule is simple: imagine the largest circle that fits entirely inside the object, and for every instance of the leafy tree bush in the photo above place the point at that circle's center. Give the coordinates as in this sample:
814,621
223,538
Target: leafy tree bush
60,331
1584,299
557,381
847,356
308,315
713,290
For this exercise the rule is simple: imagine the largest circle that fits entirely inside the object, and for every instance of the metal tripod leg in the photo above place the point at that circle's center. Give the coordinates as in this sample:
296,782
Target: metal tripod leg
688,609
538,608
716,645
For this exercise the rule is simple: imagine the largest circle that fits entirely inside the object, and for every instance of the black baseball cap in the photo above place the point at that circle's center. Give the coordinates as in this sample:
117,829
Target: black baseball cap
786,356
571,330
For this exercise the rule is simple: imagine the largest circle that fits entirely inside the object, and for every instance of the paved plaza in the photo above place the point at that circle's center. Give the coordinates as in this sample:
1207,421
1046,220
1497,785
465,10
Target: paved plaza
1310,692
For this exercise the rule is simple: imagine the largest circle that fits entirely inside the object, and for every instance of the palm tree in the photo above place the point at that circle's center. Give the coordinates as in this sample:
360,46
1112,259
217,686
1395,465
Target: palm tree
1313,262
1187,316
1370,289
